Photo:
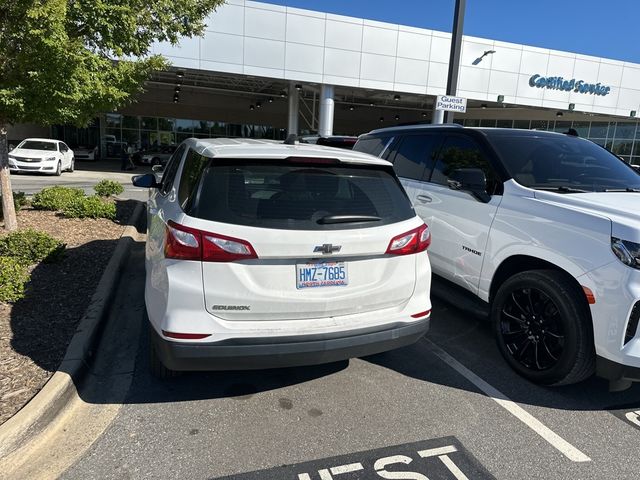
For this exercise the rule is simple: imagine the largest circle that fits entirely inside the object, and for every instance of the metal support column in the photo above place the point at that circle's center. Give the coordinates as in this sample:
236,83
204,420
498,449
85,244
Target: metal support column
325,122
438,115
294,110
454,55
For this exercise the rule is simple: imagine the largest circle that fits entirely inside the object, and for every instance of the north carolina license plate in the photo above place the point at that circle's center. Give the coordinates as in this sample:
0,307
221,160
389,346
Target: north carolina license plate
321,274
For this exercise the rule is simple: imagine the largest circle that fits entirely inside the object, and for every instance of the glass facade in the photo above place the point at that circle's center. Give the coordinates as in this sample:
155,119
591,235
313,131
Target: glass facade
622,138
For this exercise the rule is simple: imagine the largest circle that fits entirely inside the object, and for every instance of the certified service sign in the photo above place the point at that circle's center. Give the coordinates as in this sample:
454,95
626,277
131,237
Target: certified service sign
451,104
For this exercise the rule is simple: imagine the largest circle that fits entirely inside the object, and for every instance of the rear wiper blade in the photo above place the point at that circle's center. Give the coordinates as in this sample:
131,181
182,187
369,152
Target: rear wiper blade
628,189
348,219
562,189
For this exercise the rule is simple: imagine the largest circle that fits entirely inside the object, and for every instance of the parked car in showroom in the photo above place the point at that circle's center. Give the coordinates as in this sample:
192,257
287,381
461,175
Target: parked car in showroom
262,254
544,228
41,155
89,153
155,155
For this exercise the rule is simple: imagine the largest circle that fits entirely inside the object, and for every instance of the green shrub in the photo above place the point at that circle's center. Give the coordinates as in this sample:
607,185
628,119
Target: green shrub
106,188
19,201
13,276
90,207
29,247
55,198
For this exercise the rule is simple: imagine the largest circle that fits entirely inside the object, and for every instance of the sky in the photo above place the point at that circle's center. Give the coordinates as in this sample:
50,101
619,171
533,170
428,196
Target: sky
602,28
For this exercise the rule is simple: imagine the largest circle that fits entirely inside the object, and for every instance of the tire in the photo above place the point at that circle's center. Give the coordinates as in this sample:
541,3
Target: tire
72,165
59,169
156,367
543,327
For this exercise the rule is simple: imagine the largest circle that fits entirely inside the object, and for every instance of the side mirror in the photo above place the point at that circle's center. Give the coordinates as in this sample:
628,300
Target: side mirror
472,180
147,180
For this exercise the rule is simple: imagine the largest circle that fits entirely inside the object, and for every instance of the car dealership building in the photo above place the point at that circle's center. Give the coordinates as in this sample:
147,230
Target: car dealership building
263,71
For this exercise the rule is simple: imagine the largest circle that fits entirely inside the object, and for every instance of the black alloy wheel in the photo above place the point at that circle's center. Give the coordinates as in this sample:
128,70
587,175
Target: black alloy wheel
543,327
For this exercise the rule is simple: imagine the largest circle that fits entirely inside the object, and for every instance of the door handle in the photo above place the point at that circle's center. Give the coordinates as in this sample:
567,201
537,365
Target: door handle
424,198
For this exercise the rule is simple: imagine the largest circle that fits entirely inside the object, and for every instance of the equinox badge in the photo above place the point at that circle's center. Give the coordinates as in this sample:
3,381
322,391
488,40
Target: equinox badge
327,249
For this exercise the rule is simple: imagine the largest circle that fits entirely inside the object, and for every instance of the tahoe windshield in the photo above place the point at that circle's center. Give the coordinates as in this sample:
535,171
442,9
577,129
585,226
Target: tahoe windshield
36,145
563,164
298,196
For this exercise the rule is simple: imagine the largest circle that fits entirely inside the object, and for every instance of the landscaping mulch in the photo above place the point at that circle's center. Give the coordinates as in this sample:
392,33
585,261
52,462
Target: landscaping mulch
35,331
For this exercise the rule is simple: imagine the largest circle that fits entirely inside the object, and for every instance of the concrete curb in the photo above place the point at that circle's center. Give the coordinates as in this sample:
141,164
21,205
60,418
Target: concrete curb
42,410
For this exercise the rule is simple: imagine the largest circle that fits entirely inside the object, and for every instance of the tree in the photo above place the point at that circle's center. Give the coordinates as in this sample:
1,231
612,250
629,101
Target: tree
64,61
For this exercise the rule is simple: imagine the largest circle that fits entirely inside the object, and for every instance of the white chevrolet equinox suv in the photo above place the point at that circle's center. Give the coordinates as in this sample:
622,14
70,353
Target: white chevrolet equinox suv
544,228
262,254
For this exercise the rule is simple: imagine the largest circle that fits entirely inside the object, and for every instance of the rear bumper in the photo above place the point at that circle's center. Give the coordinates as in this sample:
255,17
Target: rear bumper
261,353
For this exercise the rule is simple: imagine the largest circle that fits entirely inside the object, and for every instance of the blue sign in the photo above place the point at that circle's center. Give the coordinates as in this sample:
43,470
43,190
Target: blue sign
577,86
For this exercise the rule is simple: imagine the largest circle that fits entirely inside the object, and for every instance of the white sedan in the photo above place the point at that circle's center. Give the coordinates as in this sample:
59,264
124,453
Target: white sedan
41,155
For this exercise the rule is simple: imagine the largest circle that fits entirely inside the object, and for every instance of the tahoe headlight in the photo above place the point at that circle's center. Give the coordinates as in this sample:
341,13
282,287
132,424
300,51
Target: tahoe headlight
628,252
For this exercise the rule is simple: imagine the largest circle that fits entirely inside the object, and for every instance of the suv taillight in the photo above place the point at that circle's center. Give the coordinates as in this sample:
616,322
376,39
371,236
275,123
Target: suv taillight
413,241
187,243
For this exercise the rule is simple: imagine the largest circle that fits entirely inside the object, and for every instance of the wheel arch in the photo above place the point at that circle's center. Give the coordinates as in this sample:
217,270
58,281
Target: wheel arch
522,263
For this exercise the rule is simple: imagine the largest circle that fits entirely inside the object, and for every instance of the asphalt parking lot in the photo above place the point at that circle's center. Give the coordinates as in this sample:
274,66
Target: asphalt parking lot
447,407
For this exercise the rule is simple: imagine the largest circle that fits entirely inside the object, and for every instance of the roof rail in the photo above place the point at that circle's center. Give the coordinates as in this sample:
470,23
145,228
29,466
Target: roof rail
417,125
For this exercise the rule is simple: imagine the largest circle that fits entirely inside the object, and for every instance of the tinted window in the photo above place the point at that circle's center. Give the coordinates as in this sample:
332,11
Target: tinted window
463,152
415,156
170,171
296,196
193,166
372,145
552,161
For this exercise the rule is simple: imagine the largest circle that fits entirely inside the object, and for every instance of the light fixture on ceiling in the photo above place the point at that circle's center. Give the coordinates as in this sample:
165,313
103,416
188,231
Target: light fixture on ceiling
298,87
179,74
283,94
396,97
381,119
270,100
252,107
258,104
351,108
559,114
371,104
397,117
483,106
177,89
424,114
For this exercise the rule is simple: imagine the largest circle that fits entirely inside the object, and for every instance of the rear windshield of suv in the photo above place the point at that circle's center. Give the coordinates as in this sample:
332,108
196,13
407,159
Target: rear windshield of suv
562,163
273,194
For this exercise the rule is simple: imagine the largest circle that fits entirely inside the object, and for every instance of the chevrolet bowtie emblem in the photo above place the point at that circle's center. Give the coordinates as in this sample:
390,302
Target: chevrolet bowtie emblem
327,249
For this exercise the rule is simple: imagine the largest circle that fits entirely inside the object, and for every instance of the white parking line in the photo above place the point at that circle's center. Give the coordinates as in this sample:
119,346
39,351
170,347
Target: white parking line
556,441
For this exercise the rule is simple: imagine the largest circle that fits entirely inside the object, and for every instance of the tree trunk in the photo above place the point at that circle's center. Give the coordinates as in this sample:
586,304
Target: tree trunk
8,208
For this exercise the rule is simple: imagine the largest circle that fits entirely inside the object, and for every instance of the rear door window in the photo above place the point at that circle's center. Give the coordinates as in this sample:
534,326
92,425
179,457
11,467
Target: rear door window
172,168
275,194
415,155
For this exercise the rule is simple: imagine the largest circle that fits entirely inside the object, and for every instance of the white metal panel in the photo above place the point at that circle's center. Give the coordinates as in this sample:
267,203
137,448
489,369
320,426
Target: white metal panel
630,77
187,48
341,63
506,59
380,41
474,79
264,24
347,36
304,58
533,62
377,67
413,72
440,48
473,52
227,19
437,75
609,74
503,83
414,45
304,29
259,52
232,51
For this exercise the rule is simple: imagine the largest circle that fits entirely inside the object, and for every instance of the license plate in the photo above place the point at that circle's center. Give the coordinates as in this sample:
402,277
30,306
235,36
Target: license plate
321,274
